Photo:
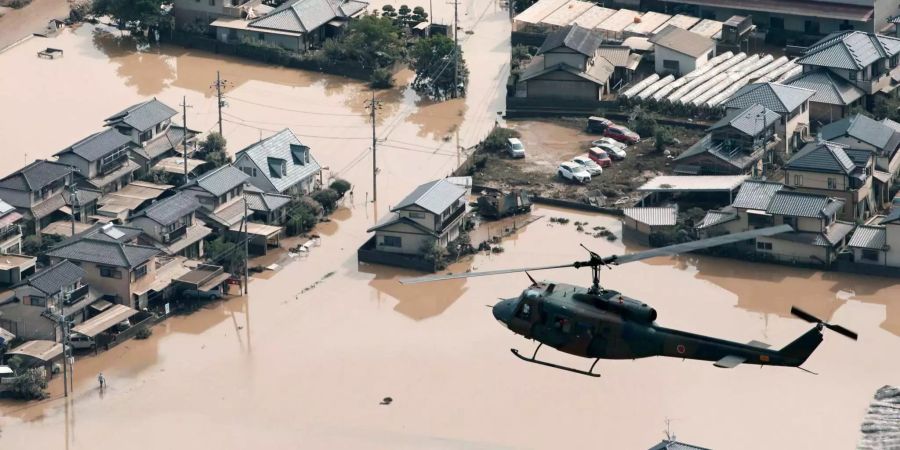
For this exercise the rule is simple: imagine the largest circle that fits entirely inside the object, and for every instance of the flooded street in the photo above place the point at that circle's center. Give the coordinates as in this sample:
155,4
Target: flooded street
304,360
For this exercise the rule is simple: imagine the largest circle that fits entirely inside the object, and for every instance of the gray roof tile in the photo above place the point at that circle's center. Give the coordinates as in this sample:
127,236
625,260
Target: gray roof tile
850,50
617,55
304,16
750,120
435,196
575,37
675,445
52,279
777,97
169,210
653,216
717,217
683,41
104,252
830,89
278,146
798,204
98,144
221,180
869,237
257,200
756,195
822,157
863,128
142,116
35,176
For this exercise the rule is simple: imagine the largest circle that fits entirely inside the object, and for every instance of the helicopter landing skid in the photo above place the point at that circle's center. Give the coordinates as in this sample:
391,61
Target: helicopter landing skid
534,360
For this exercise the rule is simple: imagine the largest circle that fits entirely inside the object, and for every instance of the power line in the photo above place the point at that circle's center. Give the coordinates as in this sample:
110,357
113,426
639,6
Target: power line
280,108
289,124
298,134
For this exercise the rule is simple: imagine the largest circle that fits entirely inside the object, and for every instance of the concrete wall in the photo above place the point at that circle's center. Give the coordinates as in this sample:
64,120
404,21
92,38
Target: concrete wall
685,63
857,257
562,86
789,251
419,215
30,324
113,286
817,183
791,126
411,242
297,43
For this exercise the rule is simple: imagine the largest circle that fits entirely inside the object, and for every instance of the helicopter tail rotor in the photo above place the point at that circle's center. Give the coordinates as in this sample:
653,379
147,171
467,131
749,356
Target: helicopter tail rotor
813,319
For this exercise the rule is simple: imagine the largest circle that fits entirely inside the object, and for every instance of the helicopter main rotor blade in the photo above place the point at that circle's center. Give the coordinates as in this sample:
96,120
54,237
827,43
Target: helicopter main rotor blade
430,278
701,244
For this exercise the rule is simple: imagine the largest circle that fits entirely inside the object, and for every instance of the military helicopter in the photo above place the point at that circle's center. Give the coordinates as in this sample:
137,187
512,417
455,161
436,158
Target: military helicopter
601,323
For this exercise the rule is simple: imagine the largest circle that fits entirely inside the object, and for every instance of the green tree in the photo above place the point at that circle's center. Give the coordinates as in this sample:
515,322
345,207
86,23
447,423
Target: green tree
132,14
645,126
327,198
341,186
435,253
433,59
497,139
30,385
521,55
388,11
662,138
213,150
229,255
418,16
301,220
403,15
371,41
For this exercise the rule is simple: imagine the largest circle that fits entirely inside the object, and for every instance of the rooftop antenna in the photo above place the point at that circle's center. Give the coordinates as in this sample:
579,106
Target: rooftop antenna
670,436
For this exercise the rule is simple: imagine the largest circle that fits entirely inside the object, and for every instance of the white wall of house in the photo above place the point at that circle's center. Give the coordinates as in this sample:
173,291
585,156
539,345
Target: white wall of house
790,251
686,63
858,256
297,43
257,176
567,56
411,240
120,286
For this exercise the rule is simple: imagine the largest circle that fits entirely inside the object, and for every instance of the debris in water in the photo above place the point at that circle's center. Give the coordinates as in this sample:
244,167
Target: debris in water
386,401
881,426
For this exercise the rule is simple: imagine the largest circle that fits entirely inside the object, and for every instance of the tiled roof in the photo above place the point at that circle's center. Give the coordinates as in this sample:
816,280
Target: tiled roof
598,72
852,50
675,445
281,146
304,16
683,41
797,204
750,120
52,279
663,216
835,233
861,127
860,158
257,200
83,196
617,55
393,218
892,217
167,211
35,176
829,89
142,116
822,157
777,97
870,237
756,194
98,144
435,196
161,144
575,37
221,180
717,217
104,252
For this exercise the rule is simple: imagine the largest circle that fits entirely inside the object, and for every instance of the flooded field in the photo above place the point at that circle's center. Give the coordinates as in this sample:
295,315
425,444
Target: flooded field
304,360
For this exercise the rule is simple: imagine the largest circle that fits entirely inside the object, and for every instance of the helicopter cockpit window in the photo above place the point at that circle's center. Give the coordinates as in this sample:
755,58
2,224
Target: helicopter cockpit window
525,311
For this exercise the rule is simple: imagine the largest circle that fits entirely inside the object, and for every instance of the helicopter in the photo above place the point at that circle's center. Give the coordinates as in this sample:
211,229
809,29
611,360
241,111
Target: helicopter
600,323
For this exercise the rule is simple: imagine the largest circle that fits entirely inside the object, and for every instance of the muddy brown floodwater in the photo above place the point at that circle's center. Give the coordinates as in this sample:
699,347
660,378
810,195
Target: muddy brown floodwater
305,359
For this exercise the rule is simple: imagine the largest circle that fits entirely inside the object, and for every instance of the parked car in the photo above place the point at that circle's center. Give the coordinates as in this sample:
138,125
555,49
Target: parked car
194,294
598,124
609,141
622,134
588,164
613,151
81,341
515,148
574,172
599,156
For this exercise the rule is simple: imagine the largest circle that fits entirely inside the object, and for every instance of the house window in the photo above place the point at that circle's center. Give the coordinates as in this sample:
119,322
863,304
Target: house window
262,36
764,246
670,65
38,301
145,136
249,171
852,75
798,180
417,215
392,241
110,272
832,183
869,254
140,272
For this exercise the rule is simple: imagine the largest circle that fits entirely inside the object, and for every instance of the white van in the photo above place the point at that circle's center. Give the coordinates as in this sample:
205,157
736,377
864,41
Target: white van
515,148
77,340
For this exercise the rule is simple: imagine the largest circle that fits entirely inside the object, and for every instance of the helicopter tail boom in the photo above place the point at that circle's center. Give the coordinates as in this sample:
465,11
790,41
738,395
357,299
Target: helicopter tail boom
799,350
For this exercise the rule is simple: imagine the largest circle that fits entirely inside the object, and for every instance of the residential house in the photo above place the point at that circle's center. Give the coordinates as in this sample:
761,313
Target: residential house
790,102
10,229
739,143
670,443
101,160
39,192
220,193
834,96
280,164
567,67
623,60
878,244
678,51
818,235
295,25
431,214
170,226
202,12
797,17
866,60
32,313
832,170
642,224
265,207
114,268
860,132
153,135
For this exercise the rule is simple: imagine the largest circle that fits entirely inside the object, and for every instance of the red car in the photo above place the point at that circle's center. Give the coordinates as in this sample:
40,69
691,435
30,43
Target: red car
622,134
599,156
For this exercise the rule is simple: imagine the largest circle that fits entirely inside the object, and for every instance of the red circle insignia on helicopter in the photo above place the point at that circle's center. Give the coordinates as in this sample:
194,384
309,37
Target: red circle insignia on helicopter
680,349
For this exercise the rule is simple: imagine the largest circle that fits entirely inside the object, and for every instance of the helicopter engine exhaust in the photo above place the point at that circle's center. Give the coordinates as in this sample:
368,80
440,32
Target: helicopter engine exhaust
627,307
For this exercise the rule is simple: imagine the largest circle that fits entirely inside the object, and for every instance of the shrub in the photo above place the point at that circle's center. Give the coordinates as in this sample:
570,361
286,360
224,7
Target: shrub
340,186
30,385
381,78
435,253
662,138
80,10
327,198
143,332
645,126
34,245
496,140
310,204
303,218
19,4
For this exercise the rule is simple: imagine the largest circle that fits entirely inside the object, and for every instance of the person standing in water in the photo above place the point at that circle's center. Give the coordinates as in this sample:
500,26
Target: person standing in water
101,380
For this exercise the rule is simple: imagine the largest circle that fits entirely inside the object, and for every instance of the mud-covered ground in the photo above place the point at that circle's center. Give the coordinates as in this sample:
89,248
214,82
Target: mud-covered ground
549,142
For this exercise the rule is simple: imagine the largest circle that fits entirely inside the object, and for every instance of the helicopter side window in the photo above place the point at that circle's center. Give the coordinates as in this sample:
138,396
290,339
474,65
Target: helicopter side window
563,324
525,311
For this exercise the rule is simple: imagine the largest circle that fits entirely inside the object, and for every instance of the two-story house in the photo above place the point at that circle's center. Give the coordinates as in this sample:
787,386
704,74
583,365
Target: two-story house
739,143
430,214
679,51
220,193
38,191
170,226
790,102
149,126
10,229
878,244
266,207
33,312
833,99
860,132
102,160
832,170
866,60
280,164
114,267
567,67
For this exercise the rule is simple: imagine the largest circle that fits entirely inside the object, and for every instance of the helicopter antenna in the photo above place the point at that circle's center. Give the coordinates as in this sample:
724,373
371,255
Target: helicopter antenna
533,282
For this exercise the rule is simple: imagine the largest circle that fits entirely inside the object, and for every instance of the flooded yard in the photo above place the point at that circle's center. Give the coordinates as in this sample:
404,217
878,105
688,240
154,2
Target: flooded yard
305,359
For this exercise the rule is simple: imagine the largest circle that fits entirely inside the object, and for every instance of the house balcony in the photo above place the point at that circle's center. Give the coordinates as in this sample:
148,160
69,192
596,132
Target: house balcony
76,295
174,235
452,218
10,232
113,164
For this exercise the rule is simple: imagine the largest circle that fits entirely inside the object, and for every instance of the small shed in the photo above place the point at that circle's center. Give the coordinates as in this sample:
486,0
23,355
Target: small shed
719,188
640,223
37,353
679,51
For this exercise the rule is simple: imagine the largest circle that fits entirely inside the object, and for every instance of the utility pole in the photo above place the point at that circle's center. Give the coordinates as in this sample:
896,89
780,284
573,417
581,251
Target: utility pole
220,84
374,105
184,149
455,53
73,198
246,250
64,328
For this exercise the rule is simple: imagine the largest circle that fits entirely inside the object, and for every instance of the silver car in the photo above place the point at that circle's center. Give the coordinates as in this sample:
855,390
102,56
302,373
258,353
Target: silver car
589,165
